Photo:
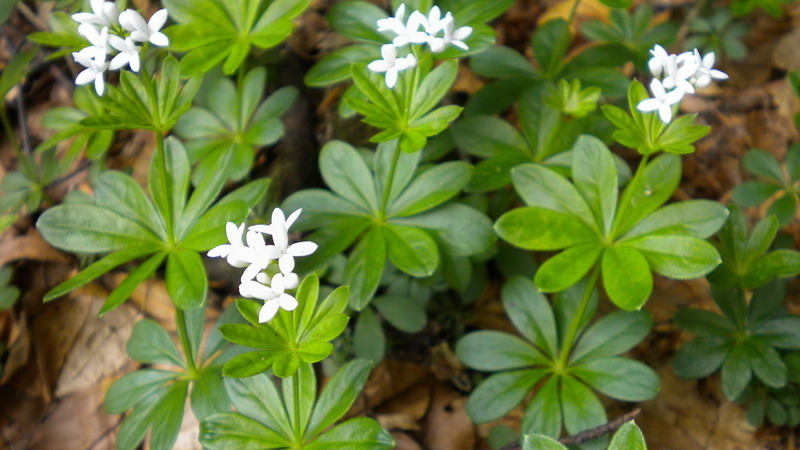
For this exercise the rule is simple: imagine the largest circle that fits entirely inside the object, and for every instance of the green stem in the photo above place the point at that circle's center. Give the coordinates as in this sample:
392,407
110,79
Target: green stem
573,11
574,325
298,432
183,333
387,188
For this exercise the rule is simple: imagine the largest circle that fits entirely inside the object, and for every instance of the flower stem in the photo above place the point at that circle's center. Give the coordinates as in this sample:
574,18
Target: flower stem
183,333
387,188
572,331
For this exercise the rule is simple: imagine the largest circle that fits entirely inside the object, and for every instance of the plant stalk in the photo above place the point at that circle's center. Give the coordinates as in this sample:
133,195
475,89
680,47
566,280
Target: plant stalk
183,333
572,331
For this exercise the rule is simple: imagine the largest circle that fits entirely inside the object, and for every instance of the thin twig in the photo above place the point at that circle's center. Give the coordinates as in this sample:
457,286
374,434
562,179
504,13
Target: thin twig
590,434
32,17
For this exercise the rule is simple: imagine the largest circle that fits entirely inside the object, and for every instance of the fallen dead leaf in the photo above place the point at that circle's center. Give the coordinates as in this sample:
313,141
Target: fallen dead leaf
447,426
30,246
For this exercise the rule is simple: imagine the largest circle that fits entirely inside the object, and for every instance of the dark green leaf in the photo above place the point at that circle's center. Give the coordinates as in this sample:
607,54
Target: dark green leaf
620,378
337,397
494,351
612,335
500,393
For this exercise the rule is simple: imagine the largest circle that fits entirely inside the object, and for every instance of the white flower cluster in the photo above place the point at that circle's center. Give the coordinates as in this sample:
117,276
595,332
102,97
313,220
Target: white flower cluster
675,76
108,31
438,33
256,256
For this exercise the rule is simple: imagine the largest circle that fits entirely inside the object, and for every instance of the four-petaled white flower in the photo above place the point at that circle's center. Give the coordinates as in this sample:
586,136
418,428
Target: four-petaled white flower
98,39
705,72
658,63
96,65
236,253
391,64
407,33
142,31
662,102
455,36
103,13
128,53
279,230
677,76
274,296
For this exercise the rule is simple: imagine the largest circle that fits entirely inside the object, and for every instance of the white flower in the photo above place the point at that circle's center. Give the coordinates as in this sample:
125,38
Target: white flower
98,39
455,36
128,54
103,13
274,297
705,72
658,63
391,64
679,70
145,32
279,230
96,65
434,22
237,254
406,32
662,102
260,256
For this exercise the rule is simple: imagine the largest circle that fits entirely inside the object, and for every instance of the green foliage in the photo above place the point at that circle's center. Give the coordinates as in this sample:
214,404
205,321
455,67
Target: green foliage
143,102
628,437
155,397
14,71
780,406
125,223
66,122
646,133
63,33
565,397
408,113
635,31
24,189
288,341
745,340
548,133
295,417
406,218
8,293
747,261
231,121
628,239
573,101
213,31
781,187
357,20
718,32
743,7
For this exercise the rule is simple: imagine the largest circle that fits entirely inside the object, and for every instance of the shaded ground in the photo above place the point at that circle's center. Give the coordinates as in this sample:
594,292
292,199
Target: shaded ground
61,357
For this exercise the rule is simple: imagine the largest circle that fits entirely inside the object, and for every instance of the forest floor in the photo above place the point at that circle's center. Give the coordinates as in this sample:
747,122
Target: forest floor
59,358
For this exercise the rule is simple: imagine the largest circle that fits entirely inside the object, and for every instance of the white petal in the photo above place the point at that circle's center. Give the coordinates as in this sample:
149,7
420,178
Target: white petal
84,57
111,13
159,39
287,302
254,289
220,251
119,61
304,248
648,105
286,263
657,88
97,6
434,15
134,65
400,41
656,66
251,272
278,218
234,259
460,44
281,239
85,77
266,229
84,17
90,32
391,77
132,21
708,60
389,53
702,81
262,278
674,96
157,20
665,112
118,43
255,240
418,37
401,12
140,36
293,217
99,84
278,283
290,280
268,311
462,33
719,75
379,66
436,44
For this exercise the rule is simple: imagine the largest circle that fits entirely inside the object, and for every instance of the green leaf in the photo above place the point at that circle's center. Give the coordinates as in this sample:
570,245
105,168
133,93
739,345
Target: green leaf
167,417
149,343
135,425
168,181
595,175
411,250
701,357
457,228
753,192
762,163
360,433
581,408
347,174
544,188
304,382
536,228
698,218
257,398
368,339
404,313
628,437
540,442
661,177
500,393
85,228
766,363
356,20
432,89
15,69
675,256
335,67
626,277
431,188
186,279
119,192
612,335
129,284
208,394
230,430
365,268
550,45
704,323
530,313
568,267
129,390
494,351
338,395
736,372
620,378
543,414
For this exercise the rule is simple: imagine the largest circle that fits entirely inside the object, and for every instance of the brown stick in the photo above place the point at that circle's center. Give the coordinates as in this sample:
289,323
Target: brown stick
590,434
